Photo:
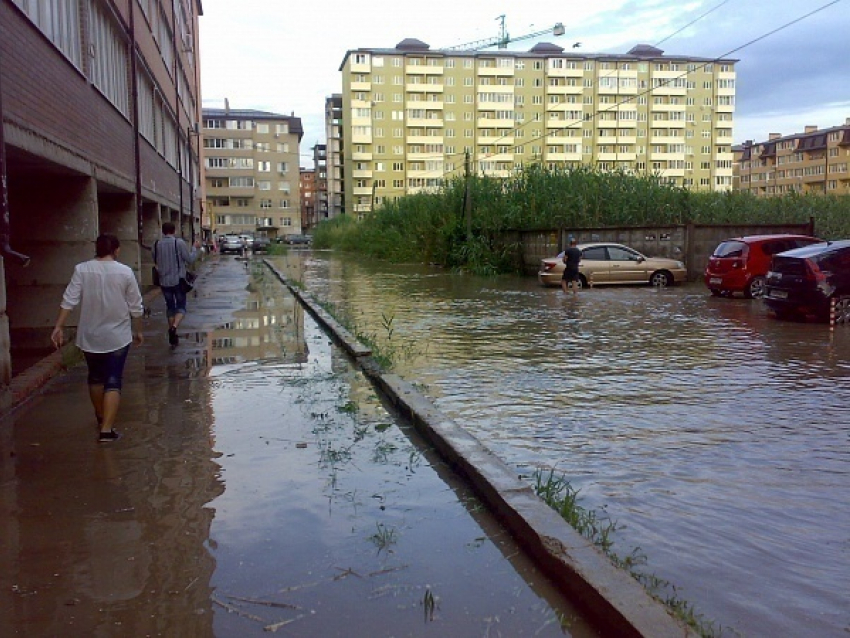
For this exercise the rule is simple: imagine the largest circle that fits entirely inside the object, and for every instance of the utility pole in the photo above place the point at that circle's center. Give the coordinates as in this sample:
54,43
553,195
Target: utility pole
467,198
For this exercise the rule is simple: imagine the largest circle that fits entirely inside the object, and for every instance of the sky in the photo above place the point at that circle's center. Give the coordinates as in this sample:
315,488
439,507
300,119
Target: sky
284,57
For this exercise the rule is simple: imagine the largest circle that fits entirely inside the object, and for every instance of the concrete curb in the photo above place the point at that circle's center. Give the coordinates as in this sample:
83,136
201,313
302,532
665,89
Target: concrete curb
614,599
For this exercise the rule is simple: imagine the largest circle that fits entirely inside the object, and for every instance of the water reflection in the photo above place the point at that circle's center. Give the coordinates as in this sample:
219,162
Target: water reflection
716,434
316,472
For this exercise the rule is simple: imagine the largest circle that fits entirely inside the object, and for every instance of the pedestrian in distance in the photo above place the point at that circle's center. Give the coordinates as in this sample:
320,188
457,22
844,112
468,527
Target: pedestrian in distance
171,255
572,260
110,320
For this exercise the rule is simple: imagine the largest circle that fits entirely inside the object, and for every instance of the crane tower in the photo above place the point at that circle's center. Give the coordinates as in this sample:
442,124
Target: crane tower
503,39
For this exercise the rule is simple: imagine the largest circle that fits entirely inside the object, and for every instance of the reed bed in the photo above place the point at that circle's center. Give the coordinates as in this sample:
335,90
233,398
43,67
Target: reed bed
433,227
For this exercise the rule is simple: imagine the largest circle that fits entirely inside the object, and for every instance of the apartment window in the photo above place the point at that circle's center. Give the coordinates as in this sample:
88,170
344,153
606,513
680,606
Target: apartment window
284,203
264,185
244,182
282,167
361,58
110,61
265,203
264,167
280,129
59,21
283,186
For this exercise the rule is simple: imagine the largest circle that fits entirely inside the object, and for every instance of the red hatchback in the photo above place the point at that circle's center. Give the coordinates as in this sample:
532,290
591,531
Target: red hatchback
740,264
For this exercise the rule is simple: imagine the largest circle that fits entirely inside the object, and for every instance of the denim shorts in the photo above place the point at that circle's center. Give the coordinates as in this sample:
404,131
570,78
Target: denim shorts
107,368
175,300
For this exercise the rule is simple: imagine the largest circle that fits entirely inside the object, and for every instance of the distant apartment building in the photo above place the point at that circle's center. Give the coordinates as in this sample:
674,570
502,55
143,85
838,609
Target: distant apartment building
320,166
307,187
410,115
99,112
251,176
809,162
335,148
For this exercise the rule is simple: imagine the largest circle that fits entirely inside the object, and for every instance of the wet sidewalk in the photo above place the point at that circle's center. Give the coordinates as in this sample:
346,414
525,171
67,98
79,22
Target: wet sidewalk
260,486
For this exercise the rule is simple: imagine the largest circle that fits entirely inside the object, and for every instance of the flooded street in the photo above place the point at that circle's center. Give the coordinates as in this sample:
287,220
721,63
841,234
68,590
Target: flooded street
716,436
260,487
337,515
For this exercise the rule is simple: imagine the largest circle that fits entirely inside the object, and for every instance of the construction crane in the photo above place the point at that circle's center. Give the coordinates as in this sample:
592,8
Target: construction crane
503,39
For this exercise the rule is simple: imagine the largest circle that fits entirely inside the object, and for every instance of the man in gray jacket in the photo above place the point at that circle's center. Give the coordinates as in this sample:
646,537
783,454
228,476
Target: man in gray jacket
171,254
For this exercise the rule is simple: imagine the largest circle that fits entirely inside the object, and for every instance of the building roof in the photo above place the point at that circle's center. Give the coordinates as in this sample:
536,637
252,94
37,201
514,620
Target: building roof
811,140
295,126
640,52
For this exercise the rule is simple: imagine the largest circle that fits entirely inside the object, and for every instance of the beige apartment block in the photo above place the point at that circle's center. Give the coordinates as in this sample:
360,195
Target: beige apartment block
809,162
251,171
410,116
333,135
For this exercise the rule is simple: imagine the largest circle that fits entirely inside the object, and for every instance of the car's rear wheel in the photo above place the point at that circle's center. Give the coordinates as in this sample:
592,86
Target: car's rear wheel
842,310
661,278
755,289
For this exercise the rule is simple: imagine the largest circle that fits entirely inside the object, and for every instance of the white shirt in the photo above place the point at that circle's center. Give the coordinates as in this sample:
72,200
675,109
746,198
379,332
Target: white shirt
109,296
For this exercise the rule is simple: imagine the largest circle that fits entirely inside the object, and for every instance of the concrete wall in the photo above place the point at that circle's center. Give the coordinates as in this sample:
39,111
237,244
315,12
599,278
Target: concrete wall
691,243
56,227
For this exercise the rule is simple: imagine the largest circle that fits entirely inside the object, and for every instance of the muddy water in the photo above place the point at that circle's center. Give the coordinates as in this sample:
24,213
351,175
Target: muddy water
260,486
337,520
716,436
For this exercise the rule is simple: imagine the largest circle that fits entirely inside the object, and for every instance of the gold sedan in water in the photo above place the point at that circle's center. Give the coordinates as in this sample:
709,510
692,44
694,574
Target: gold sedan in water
607,263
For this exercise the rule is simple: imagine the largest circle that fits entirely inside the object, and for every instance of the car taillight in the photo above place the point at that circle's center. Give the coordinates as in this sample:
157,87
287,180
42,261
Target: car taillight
813,272
547,266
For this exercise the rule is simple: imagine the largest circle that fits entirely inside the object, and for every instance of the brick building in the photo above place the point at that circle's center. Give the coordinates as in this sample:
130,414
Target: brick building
100,110
814,161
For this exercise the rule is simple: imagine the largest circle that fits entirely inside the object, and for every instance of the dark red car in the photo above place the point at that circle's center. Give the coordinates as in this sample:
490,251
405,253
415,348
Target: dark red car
741,263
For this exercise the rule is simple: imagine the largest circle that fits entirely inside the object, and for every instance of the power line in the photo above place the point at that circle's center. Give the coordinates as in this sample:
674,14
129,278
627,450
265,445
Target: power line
694,21
594,114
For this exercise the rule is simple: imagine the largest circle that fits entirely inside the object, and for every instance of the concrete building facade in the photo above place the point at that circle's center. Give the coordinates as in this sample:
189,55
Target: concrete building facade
307,187
320,166
814,161
99,103
335,148
251,171
410,116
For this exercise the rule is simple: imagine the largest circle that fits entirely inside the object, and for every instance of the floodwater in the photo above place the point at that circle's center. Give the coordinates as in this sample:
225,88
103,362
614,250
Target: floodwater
714,435
337,520
260,486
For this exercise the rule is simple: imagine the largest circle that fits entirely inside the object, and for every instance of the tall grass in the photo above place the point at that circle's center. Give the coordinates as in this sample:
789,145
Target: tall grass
432,227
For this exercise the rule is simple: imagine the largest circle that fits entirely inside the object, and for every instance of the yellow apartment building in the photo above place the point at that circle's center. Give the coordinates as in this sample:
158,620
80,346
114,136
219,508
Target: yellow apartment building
411,115
809,162
251,171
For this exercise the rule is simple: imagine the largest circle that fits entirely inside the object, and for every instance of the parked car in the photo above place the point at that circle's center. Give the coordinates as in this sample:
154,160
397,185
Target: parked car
608,263
261,244
738,265
296,239
231,244
806,281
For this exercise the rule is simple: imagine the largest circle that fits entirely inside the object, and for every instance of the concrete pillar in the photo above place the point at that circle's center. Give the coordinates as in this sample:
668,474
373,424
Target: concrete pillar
117,215
5,343
55,222
152,229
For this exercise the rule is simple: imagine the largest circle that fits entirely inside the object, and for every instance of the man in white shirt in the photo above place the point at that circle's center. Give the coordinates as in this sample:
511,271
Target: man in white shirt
110,319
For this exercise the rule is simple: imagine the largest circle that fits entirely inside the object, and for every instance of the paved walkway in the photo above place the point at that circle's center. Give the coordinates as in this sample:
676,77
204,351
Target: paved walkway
260,486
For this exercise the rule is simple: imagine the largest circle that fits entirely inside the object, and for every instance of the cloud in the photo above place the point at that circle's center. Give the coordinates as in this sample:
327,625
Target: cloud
281,57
